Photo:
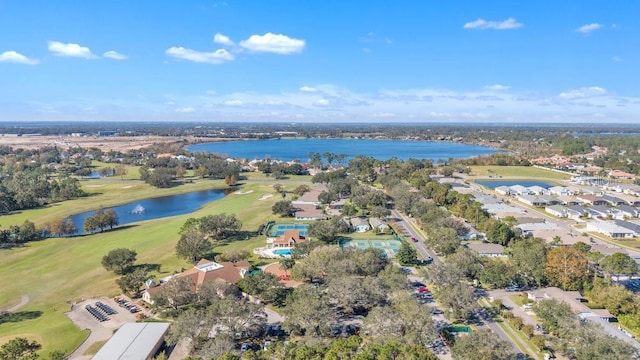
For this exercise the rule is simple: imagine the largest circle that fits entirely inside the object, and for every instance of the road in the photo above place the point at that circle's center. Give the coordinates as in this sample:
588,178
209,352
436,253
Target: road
405,224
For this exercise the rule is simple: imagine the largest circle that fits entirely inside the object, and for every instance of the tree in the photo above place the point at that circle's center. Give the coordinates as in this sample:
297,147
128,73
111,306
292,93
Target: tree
19,349
287,264
193,246
442,240
554,315
567,268
481,345
529,256
256,284
348,210
308,312
465,261
219,226
407,254
174,296
283,208
323,230
119,260
459,299
132,282
581,246
233,256
497,274
120,170
619,264
90,224
110,218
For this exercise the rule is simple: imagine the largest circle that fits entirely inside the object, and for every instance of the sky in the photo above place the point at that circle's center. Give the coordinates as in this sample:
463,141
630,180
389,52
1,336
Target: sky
301,61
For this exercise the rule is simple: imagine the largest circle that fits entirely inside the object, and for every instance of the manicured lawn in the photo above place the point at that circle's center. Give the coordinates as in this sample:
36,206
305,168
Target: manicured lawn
528,172
58,270
93,349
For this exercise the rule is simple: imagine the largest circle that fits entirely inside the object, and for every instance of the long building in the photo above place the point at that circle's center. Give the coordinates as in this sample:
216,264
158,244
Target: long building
134,341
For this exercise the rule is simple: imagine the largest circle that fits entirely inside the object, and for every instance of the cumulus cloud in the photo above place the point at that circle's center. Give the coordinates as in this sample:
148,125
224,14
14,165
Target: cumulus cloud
497,87
114,55
308,89
16,58
222,40
583,92
321,102
70,50
587,28
273,43
508,24
217,57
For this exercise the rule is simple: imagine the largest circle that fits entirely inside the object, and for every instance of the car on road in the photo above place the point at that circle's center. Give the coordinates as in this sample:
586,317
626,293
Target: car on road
414,239
436,311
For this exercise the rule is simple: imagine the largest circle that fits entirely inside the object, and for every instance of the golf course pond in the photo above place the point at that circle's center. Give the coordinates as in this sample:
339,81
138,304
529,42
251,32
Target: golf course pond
155,208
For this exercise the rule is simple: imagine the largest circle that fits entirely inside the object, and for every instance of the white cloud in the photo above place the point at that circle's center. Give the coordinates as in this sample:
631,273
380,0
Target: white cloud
308,89
321,102
70,50
583,92
616,59
16,58
497,87
114,55
217,57
587,28
366,50
187,109
222,40
233,102
508,24
273,43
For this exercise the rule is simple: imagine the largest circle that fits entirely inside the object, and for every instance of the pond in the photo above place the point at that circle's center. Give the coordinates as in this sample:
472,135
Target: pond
292,149
155,208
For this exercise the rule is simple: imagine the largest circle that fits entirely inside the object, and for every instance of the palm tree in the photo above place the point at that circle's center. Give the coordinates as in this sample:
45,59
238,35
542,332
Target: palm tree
286,264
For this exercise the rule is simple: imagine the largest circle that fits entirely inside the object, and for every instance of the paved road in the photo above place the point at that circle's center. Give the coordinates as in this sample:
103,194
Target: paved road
24,300
404,223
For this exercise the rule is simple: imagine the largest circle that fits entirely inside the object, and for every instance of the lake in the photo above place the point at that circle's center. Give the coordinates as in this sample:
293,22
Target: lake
299,149
155,208
492,184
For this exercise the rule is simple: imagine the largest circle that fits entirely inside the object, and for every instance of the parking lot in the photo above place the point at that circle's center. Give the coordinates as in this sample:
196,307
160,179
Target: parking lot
100,330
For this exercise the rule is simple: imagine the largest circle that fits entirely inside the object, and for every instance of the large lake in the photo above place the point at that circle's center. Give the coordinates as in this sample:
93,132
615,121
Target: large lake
154,208
299,149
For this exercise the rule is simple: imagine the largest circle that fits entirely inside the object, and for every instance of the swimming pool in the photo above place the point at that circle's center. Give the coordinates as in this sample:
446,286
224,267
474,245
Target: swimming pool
282,252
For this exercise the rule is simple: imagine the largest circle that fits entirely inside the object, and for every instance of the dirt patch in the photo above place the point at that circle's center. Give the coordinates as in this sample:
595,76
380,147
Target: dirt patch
243,192
275,270
265,196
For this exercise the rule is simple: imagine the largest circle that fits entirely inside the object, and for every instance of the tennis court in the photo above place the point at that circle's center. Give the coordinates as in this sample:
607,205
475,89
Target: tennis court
279,229
388,246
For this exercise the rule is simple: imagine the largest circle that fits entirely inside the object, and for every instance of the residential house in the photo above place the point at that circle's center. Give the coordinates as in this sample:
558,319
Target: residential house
550,200
472,234
518,190
626,211
560,191
577,212
591,199
378,225
599,211
557,210
310,197
308,212
487,249
612,200
568,200
537,190
610,229
205,271
619,174
503,190
524,228
591,190
532,200
628,225
360,225
288,240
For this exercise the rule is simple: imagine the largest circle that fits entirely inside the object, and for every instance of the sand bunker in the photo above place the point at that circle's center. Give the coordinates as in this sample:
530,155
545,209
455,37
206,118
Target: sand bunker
265,196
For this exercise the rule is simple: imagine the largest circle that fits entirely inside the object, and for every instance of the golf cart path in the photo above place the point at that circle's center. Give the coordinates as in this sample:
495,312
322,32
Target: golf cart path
23,301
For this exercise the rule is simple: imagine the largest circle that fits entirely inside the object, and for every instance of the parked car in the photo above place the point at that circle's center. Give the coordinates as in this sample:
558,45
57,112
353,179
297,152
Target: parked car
414,239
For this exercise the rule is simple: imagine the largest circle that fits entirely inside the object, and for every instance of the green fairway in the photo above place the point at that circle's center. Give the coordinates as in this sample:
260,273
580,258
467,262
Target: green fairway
528,172
55,271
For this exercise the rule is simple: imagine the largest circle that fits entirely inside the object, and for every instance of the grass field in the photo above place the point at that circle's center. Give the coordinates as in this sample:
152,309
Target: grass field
58,270
528,172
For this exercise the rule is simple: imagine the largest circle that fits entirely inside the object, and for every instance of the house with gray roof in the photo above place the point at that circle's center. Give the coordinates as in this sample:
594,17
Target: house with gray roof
557,210
378,225
537,190
626,211
610,229
560,191
487,249
612,200
504,190
628,225
519,190
577,212
359,224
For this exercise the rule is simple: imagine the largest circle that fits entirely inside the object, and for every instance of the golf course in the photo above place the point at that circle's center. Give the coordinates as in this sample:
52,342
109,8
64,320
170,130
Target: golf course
55,272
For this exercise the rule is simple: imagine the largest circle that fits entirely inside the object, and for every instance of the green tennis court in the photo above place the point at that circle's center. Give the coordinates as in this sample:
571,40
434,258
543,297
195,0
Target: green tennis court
389,246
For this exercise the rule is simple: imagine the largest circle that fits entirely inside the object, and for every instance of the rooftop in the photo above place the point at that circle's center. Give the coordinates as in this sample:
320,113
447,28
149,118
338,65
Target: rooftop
133,341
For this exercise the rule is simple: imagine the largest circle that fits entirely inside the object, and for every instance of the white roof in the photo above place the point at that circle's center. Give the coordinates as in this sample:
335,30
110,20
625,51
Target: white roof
609,227
133,341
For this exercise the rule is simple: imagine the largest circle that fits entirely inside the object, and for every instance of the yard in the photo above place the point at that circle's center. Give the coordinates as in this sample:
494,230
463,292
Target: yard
528,172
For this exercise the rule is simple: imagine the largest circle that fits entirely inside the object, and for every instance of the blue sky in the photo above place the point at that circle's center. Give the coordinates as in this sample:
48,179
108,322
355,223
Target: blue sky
320,61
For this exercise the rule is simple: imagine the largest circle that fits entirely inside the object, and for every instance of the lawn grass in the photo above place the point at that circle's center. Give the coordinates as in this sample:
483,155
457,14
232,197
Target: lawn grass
93,349
528,172
58,270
